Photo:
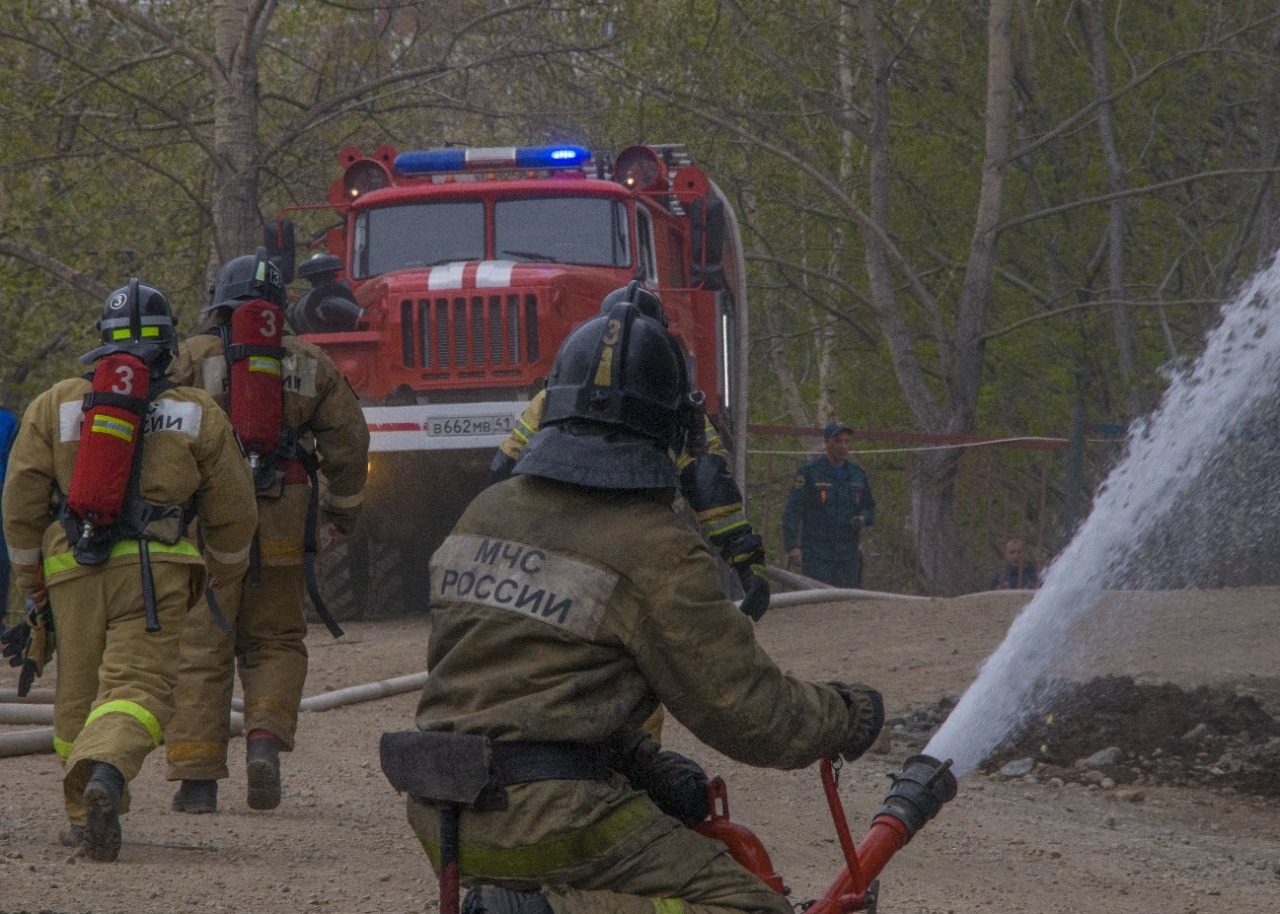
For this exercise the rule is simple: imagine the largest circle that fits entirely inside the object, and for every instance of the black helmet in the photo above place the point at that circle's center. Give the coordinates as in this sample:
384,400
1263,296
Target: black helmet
246,278
136,319
617,405
648,303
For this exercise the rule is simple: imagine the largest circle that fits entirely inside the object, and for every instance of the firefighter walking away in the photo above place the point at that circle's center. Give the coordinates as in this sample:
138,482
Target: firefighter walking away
298,421
113,576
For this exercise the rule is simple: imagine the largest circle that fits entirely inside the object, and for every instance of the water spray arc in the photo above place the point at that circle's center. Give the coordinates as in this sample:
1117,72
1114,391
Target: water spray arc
1171,457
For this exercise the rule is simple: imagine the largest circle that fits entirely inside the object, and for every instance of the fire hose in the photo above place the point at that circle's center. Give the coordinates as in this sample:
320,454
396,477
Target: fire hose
34,742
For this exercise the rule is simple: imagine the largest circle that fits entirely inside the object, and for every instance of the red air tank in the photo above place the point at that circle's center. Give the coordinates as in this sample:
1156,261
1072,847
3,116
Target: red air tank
257,379
109,435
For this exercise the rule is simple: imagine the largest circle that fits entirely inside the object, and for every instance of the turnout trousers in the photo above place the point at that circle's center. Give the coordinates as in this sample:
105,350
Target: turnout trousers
597,848
115,688
265,644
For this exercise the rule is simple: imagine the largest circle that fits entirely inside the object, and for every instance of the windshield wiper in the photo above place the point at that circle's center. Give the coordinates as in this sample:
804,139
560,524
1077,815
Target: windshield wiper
531,255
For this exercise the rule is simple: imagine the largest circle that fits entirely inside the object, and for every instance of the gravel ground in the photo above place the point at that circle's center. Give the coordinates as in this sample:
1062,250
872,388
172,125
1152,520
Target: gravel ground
1129,832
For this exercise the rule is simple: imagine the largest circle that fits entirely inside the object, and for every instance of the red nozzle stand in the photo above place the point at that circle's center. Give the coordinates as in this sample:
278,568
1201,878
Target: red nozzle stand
917,795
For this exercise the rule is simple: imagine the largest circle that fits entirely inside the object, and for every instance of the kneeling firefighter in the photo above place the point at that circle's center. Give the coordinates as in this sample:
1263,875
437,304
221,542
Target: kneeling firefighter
294,415
568,602
130,458
702,466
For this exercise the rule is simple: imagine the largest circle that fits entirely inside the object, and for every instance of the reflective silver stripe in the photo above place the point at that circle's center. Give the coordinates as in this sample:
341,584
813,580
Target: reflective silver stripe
24,556
213,375
69,416
153,321
300,375
344,501
228,558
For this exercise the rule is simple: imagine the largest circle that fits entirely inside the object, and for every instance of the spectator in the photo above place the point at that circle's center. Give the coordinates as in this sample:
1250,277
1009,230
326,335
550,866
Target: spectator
1018,573
829,506
8,428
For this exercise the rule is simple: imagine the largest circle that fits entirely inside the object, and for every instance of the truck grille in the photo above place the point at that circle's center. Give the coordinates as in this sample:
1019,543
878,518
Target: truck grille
469,331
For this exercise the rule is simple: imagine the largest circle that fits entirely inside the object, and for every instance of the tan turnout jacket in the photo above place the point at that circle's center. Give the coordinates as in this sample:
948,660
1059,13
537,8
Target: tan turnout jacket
189,455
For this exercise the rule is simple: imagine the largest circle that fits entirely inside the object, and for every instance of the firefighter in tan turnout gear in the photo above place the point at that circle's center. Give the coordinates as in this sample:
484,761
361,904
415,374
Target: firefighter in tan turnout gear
568,602
105,475
706,484
293,412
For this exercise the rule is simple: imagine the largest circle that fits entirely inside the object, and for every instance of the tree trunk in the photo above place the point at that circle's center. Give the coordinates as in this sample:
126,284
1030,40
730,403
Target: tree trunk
237,225
1095,37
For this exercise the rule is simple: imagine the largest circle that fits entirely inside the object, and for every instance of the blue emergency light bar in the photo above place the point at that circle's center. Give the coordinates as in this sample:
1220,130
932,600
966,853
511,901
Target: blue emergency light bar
432,161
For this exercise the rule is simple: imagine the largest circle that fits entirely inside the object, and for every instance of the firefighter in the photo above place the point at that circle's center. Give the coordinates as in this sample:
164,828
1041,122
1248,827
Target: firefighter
706,484
568,602
258,625
116,592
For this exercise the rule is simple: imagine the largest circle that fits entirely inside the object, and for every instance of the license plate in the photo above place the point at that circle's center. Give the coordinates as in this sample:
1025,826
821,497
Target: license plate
470,425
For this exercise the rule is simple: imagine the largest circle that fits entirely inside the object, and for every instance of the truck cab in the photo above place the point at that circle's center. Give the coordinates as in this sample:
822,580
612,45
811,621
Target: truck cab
447,286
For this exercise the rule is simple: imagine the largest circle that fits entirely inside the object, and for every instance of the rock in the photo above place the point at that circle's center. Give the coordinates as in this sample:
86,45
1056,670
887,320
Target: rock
1196,733
1018,768
1109,756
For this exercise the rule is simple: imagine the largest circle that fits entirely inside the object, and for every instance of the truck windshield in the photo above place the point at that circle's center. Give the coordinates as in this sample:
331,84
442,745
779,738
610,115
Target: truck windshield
591,231
417,235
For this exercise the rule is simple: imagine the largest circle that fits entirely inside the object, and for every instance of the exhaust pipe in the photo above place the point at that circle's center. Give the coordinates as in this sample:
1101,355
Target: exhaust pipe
918,793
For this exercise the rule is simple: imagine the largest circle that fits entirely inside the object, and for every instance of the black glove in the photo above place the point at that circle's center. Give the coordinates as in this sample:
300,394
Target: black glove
29,644
866,718
745,554
677,785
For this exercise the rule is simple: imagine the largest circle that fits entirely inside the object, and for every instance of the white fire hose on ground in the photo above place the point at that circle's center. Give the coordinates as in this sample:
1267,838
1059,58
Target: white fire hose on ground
34,742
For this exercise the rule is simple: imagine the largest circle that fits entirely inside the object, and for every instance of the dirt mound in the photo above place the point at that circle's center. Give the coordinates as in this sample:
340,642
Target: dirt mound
1114,730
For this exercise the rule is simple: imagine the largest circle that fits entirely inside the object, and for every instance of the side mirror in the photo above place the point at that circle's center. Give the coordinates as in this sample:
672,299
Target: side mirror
278,237
706,243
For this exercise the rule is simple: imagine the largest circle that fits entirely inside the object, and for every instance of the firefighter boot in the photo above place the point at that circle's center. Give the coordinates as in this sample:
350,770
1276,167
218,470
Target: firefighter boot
196,797
263,769
71,836
102,803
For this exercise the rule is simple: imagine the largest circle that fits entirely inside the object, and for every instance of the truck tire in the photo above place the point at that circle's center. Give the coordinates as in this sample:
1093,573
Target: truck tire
339,578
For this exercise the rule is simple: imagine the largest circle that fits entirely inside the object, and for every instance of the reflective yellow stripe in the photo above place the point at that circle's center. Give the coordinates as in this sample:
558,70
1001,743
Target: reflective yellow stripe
65,561
108,425
134,710
264,363
124,334
667,906
532,860
719,526
523,433
62,747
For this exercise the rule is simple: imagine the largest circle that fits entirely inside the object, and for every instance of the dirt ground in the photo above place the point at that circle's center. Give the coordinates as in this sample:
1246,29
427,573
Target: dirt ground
1182,817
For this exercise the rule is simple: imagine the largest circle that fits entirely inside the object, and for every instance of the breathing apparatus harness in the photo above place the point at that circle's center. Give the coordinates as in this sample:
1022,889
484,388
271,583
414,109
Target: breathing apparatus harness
252,344
103,505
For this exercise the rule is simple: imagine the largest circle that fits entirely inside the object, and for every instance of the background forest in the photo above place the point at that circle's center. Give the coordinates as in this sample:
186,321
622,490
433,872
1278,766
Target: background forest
996,220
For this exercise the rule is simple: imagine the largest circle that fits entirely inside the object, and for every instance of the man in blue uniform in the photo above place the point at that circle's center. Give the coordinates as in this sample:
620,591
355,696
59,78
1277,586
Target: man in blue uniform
829,506
8,429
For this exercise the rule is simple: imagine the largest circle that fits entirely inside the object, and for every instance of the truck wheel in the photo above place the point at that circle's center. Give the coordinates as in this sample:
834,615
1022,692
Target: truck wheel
339,577
397,580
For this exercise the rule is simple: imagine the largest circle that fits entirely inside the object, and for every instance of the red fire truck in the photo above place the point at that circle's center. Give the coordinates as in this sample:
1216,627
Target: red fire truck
444,290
